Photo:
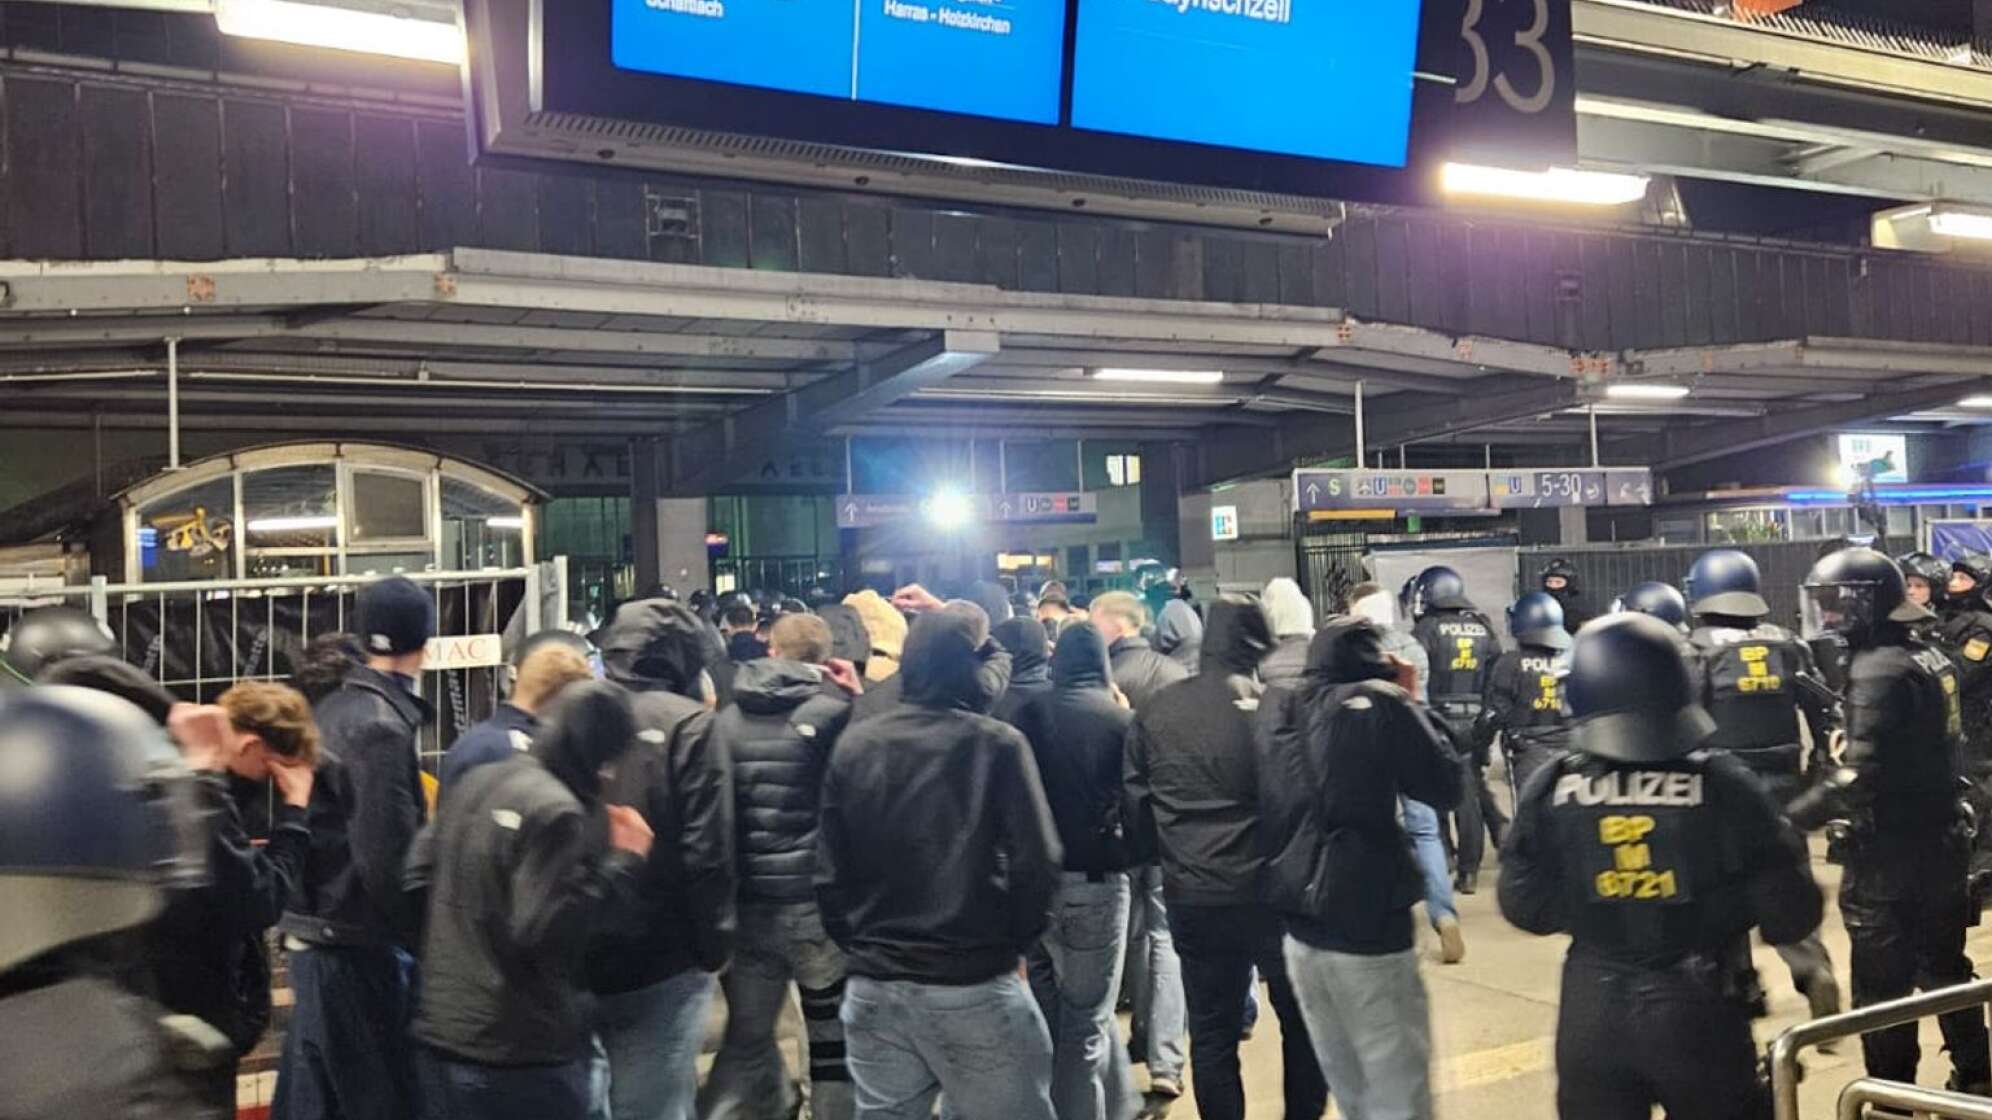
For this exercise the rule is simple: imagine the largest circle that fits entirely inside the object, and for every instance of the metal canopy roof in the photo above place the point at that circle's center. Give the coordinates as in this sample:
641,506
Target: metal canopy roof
728,360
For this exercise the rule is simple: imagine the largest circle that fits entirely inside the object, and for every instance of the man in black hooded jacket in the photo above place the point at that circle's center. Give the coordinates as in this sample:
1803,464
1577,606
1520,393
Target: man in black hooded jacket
655,985
518,867
1024,639
1077,732
1336,752
936,864
1192,792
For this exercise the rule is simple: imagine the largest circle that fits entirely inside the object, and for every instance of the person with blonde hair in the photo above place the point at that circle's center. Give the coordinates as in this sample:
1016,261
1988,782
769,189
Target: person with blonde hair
546,663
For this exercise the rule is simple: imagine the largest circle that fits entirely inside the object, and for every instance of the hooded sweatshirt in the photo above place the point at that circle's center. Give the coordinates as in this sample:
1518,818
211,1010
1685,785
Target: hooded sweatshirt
1292,617
849,640
1179,634
1078,733
1030,669
683,786
887,628
936,851
1191,779
1334,755
519,870
1381,608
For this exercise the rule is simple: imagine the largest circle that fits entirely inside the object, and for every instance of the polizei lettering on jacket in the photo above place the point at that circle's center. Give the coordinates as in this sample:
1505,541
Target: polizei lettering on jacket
1630,787
1462,630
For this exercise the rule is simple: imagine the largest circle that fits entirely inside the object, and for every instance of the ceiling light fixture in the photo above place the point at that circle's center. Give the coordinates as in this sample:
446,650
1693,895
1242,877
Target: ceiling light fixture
341,28
1637,391
1982,400
1972,224
291,524
505,522
1558,184
1165,376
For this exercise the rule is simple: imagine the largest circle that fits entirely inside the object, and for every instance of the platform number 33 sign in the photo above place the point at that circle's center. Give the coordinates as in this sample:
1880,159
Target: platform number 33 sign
1515,80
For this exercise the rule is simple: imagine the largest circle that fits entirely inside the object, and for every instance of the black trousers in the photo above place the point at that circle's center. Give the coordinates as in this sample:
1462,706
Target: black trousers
1477,817
1906,920
1628,1039
1219,945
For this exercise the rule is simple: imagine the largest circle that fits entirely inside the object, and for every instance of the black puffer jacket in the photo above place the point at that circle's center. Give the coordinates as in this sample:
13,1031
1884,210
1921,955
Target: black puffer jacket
366,806
1334,754
684,789
1192,783
936,855
1140,672
518,871
1077,735
784,720
1030,669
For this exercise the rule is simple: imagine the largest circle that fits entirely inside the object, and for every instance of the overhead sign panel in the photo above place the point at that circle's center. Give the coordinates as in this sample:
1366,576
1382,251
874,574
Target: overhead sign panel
862,511
1470,491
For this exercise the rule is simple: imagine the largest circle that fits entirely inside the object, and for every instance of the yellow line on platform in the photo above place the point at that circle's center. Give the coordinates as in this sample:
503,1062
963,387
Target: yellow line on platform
1495,1064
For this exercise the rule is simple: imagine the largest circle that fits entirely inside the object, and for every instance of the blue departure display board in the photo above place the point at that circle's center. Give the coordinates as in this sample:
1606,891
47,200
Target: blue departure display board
990,58
1296,77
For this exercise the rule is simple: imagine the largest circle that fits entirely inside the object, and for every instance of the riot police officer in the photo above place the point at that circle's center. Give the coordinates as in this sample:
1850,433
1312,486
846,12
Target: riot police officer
1657,599
1524,699
1970,578
1966,635
1927,578
47,635
1657,857
1747,678
1904,834
88,849
1462,647
1559,579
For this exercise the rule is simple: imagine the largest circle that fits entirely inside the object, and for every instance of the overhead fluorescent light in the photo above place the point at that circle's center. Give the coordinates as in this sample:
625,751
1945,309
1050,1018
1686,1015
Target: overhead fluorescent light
292,524
1558,184
341,28
505,522
1167,376
1980,401
1973,224
1637,391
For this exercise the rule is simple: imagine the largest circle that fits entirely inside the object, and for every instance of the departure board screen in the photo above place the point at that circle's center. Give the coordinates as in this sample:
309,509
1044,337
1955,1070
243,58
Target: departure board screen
989,58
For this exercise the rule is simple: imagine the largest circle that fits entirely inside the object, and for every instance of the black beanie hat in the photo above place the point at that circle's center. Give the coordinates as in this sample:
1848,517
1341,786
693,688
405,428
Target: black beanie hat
396,617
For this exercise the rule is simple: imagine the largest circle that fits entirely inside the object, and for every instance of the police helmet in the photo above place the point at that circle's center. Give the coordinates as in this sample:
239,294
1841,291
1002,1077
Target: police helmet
1439,588
87,844
1853,591
1931,570
1977,566
46,635
734,599
1657,599
818,596
700,600
1630,693
1560,568
1536,619
1725,581
791,606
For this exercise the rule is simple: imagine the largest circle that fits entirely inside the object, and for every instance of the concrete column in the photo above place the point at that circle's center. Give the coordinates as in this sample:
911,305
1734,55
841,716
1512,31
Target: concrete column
643,490
680,543
1573,524
1161,486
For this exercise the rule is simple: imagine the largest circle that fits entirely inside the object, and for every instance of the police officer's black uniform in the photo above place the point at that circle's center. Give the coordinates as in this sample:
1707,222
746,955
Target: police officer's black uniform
1904,896
1524,699
1966,635
85,854
1657,857
1462,647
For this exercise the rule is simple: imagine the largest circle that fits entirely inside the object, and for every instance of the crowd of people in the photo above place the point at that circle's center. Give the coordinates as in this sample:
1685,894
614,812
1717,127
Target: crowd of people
960,833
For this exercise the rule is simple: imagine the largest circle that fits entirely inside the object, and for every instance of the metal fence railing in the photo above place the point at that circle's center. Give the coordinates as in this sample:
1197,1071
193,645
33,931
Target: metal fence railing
199,638
1785,1050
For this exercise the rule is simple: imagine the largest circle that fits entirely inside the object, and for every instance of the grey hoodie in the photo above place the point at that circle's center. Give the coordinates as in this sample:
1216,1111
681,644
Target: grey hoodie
1179,635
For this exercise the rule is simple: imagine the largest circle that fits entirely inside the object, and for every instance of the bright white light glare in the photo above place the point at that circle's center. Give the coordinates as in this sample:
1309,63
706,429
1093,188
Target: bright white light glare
1962,223
1558,184
1167,376
1980,401
290,524
505,522
1845,477
1632,391
949,510
346,29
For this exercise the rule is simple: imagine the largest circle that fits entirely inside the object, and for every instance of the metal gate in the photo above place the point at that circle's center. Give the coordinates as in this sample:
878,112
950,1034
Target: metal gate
1606,571
1331,563
199,638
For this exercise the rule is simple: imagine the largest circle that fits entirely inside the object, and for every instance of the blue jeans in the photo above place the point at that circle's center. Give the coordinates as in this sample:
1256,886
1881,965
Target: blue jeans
984,1045
778,944
346,1054
1421,823
651,1037
1155,977
457,1090
1074,974
1372,1028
